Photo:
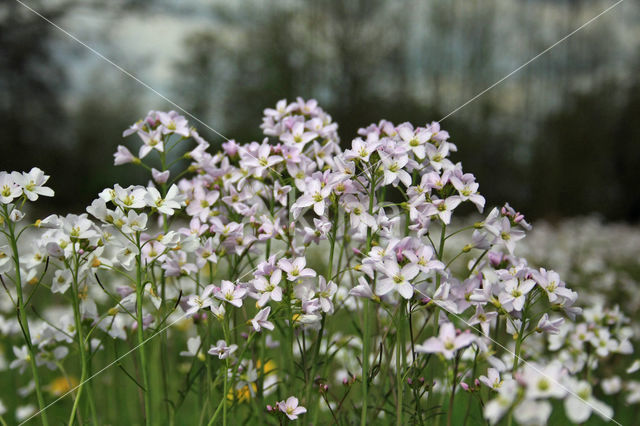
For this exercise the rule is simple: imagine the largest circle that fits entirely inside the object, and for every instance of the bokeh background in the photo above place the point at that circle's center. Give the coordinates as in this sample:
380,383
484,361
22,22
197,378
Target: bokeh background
559,138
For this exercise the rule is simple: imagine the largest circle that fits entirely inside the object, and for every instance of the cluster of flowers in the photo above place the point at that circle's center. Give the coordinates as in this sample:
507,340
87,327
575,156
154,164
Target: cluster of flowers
342,255
602,260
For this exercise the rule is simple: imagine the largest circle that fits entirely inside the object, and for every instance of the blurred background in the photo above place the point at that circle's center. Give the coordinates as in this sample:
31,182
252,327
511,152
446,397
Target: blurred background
559,138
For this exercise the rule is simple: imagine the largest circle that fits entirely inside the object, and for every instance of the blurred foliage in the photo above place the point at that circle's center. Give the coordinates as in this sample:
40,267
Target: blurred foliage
552,144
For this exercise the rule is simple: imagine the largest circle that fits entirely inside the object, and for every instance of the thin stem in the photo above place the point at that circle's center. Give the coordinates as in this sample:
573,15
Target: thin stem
22,316
140,323
366,331
453,389
473,375
478,261
516,356
225,328
400,363
314,359
81,340
83,374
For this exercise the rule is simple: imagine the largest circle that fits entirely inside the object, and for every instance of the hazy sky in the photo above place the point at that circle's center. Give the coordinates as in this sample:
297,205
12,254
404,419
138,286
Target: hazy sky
147,44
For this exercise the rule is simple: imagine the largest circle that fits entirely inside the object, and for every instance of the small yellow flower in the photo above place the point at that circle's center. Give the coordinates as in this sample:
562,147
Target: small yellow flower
242,394
61,385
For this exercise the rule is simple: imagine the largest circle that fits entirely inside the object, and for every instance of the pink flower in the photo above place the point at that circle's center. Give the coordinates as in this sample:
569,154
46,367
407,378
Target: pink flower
262,160
222,350
172,122
230,293
261,321
443,208
158,176
492,379
397,279
268,288
203,301
315,194
363,289
298,136
291,408
151,141
123,156
296,269
447,342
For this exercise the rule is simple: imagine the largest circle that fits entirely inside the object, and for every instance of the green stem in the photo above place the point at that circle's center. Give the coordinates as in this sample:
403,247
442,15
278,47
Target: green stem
453,389
366,331
225,328
516,356
329,273
81,342
436,310
22,316
83,374
141,348
400,364
473,375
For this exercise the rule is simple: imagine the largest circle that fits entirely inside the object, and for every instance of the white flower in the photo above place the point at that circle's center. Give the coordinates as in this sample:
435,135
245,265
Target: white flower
315,194
531,412
5,259
397,278
447,342
261,321
231,293
634,367
363,289
515,292
172,201
22,358
291,408
296,269
151,141
550,326
222,350
32,183
193,348
611,385
268,289
543,382
160,177
325,293
443,208
9,189
123,156
504,233
202,301
498,407
61,281
393,169
24,412
492,379
134,222
580,403
132,197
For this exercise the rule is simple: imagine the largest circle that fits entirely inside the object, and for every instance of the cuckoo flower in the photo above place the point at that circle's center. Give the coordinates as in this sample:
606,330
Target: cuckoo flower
397,278
447,342
296,269
291,408
261,320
